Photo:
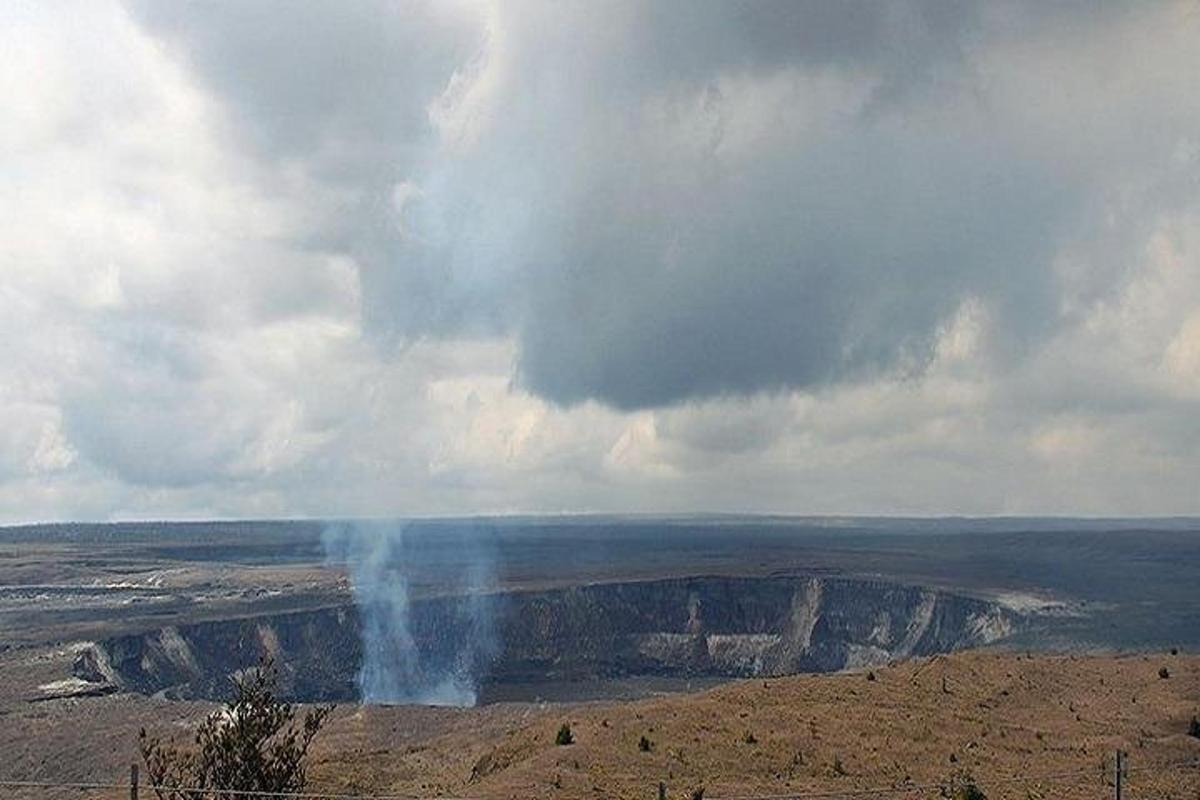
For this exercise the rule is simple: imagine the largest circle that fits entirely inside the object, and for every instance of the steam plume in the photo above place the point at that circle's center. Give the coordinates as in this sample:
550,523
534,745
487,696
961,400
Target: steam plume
396,668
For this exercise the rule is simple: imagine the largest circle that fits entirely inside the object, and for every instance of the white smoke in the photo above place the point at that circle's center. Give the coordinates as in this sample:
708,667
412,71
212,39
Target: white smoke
394,668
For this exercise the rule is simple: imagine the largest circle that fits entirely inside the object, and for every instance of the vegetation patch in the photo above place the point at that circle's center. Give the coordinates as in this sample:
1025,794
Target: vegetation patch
252,744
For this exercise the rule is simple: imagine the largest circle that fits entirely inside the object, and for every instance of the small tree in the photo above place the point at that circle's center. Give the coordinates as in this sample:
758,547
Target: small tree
564,736
252,744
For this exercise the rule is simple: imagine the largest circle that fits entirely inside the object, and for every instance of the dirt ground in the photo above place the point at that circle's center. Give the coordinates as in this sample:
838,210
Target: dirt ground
1004,719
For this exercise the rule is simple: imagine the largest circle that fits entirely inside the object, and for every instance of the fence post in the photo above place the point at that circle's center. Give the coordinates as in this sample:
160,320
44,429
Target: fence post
133,782
662,791
1120,769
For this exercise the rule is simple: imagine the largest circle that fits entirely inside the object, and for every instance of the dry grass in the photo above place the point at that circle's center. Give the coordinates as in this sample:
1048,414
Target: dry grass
1001,716
998,717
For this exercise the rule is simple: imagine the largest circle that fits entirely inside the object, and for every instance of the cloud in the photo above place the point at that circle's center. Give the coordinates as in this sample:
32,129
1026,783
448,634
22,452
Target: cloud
288,258
664,201
347,87
771,197
336,100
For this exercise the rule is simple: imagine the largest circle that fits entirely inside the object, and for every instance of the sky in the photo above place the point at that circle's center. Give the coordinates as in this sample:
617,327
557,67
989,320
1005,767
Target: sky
291,259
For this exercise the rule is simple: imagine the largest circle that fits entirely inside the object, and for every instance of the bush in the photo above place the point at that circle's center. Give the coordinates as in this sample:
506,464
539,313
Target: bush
970,791
252,744
1164,673
564,736
645,745
750,738
1194,728
962,786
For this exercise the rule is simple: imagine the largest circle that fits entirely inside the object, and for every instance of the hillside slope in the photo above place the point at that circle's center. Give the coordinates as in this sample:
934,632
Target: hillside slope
997,716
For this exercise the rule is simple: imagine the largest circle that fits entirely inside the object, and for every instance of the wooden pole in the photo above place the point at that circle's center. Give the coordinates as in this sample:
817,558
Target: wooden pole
1120,770
133,782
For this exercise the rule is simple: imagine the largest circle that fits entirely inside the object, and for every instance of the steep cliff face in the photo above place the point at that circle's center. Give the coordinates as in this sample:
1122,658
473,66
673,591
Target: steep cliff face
736,627
317,652
704,626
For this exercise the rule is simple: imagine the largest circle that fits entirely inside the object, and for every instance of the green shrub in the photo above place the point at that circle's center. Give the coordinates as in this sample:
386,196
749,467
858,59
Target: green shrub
645,745
564,735
1194,728
254,744
1164,673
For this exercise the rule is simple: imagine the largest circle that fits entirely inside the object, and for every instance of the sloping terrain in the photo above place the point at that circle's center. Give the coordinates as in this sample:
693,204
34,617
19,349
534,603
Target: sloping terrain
1001,717
998,717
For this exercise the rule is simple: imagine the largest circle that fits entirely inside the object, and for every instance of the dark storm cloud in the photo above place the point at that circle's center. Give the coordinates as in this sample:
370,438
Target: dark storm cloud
663,259
693,41
665,201
808,269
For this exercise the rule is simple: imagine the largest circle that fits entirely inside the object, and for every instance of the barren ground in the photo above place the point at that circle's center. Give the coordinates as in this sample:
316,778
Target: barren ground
1000,717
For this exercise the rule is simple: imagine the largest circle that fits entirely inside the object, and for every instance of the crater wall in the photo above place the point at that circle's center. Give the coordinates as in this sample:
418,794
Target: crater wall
687,627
